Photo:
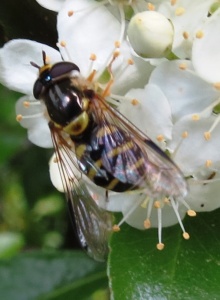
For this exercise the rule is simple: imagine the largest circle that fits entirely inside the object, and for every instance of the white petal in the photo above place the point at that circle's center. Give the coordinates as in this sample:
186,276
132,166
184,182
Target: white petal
195,151
40,134
54,5
16,71
151,114
206,50
204,196
185,91
92,29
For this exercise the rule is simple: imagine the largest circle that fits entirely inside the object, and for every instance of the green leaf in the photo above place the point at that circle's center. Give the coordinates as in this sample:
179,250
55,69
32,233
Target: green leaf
185,269
51,275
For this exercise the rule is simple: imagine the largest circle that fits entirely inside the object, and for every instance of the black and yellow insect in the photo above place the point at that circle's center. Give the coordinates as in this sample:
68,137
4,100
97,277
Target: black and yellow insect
104,146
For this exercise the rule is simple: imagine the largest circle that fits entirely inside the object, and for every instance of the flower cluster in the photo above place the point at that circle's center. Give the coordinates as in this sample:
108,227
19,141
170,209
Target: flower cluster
164,58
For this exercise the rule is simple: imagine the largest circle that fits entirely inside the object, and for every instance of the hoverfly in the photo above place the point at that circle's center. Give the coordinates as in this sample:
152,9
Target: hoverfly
101,144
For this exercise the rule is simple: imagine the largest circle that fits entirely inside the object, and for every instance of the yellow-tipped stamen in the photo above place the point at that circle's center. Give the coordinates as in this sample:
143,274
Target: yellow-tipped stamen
159,219
186,236
174,205
70,13
191,213
150,6
185,35
160,138
160,246
134,102
116,228
147,224
183,66
207,135
20,117
180,11
195,117
208,163
199,34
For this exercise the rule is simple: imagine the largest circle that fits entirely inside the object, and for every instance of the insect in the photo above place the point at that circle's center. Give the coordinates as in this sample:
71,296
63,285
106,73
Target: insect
94,137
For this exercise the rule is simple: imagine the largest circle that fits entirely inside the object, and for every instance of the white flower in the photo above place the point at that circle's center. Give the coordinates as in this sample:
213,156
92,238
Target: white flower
187,18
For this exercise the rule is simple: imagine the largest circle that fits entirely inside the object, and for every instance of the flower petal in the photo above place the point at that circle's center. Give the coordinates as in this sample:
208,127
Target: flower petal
206,50
185,91
16,71
151,113
91,29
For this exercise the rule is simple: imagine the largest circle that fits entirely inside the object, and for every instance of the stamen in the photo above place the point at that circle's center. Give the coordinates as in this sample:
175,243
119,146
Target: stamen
20,117
160,138
160,245
70,13
173,2
207,135
150,6
208,163
183,66
185,35
199,34
185,134
195,117
147,224
134,102
180,11
173,203
27,104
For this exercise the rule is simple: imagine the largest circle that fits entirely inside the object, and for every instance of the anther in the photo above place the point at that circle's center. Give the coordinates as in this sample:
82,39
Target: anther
199,34
116,228
160,246
130,61
150,6
172,2
117,44
185,134
147,224
70,13
186,236
180,11
208,163
19,118
191,213
157,204
185,35
63,44
166,200
195,117
93,56
134,102
26,104
183,66
217,85
207,135
160,138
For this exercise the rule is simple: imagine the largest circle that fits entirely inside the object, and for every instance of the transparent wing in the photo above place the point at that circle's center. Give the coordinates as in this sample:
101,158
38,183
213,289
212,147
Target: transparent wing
92,223
140,160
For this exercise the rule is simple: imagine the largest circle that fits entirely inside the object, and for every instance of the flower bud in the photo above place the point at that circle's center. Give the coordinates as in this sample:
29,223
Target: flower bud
150,34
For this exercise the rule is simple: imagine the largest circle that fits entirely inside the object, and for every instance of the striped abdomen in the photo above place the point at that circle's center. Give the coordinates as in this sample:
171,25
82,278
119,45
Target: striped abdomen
111,159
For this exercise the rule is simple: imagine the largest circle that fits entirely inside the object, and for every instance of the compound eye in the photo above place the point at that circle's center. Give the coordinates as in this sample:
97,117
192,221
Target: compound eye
38,89
63,68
